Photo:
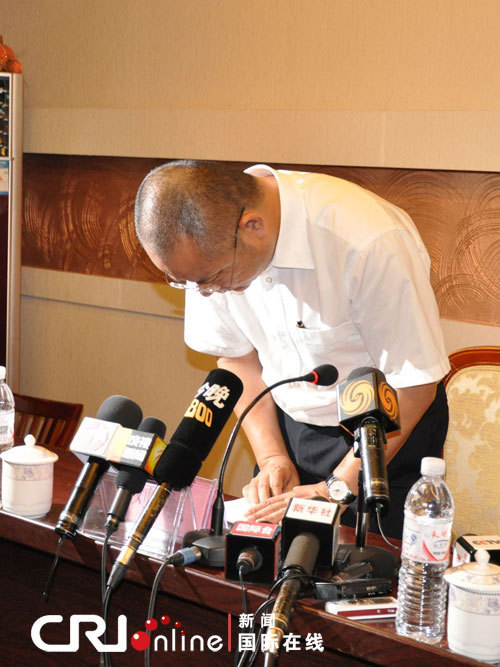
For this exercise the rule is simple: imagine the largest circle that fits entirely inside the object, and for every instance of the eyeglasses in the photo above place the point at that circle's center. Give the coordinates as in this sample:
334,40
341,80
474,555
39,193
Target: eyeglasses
215,287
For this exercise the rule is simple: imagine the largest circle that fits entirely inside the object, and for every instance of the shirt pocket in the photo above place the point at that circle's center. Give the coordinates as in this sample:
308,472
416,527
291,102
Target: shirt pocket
341,346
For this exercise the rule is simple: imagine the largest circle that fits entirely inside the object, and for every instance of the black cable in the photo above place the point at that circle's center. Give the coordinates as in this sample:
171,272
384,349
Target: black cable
379,523
254,653
105,607
260,609
244,606
152,605
243,590
104,553
251,659
52,572
104,576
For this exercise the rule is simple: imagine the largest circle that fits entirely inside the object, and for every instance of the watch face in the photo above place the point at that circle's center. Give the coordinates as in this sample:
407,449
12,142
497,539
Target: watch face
338,490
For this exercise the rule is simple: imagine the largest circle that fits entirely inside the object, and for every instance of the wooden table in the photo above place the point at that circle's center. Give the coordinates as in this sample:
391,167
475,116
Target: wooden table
199,598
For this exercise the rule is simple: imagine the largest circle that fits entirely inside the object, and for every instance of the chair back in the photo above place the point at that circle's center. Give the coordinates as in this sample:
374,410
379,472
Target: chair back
53,423
472,447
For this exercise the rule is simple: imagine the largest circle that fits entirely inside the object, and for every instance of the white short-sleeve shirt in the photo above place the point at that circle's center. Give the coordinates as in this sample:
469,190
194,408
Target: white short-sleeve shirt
348,285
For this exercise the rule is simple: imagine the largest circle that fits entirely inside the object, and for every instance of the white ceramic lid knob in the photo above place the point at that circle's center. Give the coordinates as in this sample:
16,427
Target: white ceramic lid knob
482,558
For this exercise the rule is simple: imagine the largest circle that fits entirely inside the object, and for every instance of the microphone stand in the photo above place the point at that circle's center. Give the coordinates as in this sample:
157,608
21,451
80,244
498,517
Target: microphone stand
211,541
383,561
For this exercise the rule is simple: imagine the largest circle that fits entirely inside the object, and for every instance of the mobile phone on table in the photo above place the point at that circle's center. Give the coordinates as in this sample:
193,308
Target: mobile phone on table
363,608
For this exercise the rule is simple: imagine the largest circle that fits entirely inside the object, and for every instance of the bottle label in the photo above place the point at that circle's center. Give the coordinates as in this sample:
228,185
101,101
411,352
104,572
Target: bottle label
7,428
425,540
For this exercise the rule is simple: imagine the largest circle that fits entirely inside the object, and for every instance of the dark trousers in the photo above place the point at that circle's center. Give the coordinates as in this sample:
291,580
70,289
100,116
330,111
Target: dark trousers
317,450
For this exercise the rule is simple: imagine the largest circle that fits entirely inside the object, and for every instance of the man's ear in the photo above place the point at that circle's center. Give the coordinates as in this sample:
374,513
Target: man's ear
253,223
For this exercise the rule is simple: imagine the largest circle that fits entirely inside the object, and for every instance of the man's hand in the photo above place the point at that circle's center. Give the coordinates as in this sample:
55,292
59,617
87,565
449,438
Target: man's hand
277,475
273,509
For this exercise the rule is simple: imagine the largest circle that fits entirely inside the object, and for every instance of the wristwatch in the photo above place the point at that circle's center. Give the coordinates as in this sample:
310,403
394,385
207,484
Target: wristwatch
339,491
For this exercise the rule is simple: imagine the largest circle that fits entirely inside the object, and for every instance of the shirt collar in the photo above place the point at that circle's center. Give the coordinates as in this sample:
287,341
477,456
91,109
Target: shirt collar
292,248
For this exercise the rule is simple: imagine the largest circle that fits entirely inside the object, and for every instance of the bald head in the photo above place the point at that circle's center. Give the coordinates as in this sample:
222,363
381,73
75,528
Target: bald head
196,200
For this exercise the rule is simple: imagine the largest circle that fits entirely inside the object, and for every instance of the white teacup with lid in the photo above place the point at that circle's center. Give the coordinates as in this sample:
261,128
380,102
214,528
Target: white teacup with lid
474,608
28,479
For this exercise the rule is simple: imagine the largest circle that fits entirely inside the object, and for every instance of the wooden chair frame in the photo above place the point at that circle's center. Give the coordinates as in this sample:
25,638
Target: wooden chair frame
53,423
472,356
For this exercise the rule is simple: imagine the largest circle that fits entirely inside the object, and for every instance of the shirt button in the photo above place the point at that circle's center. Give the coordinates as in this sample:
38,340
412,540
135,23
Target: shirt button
269,279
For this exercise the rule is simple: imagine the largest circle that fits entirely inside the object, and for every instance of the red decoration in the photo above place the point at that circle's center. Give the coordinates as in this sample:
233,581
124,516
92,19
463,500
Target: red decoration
14,66
8,61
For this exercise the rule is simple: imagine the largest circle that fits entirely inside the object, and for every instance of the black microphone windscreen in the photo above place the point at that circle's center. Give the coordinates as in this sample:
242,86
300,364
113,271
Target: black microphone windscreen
177,466
303,552
132,479
327,375
359,372
153,425
120,410
323,375
200,427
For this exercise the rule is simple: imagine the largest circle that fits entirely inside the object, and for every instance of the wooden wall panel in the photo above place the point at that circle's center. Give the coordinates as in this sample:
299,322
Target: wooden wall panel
78,216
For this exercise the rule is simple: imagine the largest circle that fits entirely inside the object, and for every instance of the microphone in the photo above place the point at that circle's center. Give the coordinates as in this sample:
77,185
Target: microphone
255,548
368,405
249,560
316,515
183,457
322,376
300,560
130,479
117,409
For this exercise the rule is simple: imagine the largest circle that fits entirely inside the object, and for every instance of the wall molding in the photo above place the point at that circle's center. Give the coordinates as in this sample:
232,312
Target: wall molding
418,139
99,292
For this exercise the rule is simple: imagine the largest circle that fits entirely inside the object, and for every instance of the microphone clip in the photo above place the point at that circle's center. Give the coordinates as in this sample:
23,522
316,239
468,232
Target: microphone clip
371,428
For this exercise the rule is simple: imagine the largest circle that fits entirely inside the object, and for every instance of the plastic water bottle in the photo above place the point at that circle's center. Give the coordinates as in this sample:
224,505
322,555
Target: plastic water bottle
7,414
424,555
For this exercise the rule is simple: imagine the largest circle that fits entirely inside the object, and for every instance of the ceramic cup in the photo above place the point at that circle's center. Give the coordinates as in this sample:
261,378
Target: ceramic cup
27,479
474,609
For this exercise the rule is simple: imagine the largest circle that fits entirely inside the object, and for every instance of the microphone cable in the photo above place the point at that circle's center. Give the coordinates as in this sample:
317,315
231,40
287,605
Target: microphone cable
249,660
104,599
378,511
52,572
106,657
240,661
178,558
249,560
104,574
152,606
244,606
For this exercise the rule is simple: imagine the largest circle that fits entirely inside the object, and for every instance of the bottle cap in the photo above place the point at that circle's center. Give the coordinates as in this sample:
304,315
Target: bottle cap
2,373
432,466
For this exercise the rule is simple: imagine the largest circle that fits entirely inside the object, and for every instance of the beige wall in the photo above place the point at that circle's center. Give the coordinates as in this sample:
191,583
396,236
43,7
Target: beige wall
358,82
85,338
